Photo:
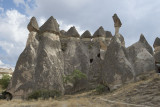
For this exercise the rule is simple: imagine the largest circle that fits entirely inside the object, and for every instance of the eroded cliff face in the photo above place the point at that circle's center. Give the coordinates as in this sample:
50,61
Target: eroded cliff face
51,54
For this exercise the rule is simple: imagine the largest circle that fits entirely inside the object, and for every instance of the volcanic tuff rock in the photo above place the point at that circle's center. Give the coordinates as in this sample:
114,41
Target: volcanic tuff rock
156,42
51,54
51,26
108,34
33,25
86,34
156,46
72,32
100,32
40,66
140,55
116,68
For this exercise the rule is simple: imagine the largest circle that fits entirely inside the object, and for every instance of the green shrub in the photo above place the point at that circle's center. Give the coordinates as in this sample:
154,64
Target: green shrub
102,88
4,82
44,94
74,76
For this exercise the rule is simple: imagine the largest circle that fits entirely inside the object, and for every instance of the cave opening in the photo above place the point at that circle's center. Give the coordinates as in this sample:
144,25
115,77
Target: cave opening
91,60
98,55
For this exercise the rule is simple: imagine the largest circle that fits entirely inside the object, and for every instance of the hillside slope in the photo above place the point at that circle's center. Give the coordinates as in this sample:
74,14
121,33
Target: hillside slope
143,93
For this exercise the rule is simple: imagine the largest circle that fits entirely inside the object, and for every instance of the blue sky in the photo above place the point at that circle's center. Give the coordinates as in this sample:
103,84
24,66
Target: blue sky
137,16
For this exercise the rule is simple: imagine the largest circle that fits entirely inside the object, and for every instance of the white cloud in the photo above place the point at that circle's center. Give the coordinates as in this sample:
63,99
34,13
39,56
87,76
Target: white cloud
66,27
13,35
63,25
137,16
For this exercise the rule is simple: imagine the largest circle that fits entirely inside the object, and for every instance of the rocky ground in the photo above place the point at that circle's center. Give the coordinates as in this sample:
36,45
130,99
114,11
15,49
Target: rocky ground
143,93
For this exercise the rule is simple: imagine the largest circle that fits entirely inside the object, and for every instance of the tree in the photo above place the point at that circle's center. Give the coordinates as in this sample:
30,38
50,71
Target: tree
74,76
4,82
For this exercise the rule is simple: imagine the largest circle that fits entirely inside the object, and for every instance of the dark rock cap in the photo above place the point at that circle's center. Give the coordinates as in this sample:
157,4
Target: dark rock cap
156,42
142,38
108,34
62,32
86,34
50,25
146,44
33,25
100,32
72,32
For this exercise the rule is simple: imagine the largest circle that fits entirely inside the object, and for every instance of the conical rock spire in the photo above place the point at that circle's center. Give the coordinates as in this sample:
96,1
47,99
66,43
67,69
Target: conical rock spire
86,34
100,32
72,32
33,25
50,25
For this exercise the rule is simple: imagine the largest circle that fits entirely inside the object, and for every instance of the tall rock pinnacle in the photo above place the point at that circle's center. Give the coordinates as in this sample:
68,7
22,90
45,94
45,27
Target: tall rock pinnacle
117,23
50,25
33,25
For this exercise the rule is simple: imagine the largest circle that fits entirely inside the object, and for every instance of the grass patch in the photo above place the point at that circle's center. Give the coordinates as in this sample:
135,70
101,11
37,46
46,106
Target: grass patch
44,94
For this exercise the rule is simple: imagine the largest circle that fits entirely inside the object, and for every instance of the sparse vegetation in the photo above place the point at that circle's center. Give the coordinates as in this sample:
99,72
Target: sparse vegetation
74,76
44,94
4,82
102,88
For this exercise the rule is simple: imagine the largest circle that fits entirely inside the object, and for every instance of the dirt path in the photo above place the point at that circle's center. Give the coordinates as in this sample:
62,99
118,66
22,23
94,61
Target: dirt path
122,103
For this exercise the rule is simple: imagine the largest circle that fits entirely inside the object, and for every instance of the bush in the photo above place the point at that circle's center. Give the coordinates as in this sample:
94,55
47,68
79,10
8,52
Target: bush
74,76
44,94
102,88
4,82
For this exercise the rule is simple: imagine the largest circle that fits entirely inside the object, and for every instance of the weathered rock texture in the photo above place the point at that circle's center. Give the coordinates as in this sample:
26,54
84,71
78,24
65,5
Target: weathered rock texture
116,68
156,46
51,54
140,55
40,66
33,25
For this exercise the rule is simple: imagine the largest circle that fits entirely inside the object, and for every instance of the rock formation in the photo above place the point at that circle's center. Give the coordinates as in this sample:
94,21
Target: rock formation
72,32
117,23
86,34
51,54
141,57
40,66
51,26
100,32
116,69
33,25
156,46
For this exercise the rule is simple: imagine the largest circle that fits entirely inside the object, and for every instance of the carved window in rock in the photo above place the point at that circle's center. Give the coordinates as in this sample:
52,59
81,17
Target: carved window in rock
98,55
91,60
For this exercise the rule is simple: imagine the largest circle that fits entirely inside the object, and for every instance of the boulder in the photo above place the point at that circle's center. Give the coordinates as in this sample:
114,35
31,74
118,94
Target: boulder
140,55
51,26
33,25
72,32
